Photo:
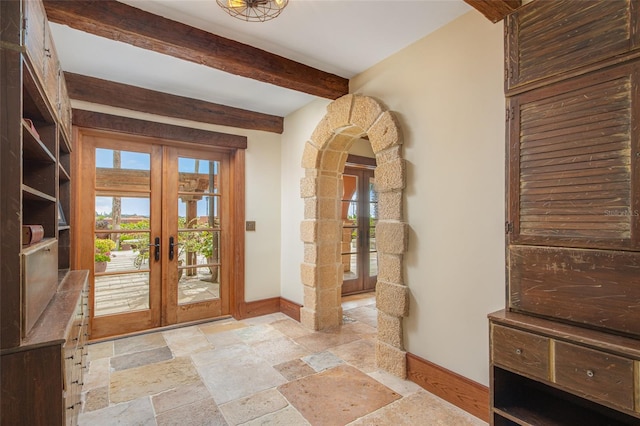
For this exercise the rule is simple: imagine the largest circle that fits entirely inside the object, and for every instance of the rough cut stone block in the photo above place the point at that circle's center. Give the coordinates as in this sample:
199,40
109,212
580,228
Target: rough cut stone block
390,205
308,275
390,176
341,142
328,231
308,231
310,253
309,297
328,208
310,156
331,160
308,187
392,299
389,155
328,252
328,186
308,318
391,359
329,318
327,277
339,111
390,330
391,237
310,208
322,133
390,268
328,299
365,112
384,133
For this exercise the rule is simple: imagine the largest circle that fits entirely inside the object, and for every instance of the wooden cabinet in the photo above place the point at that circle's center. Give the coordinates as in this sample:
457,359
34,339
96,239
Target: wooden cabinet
566,350
42,317
42,378
545,372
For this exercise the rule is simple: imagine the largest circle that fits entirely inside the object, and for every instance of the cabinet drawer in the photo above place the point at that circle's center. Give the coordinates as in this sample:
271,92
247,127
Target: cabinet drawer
595,374
520,351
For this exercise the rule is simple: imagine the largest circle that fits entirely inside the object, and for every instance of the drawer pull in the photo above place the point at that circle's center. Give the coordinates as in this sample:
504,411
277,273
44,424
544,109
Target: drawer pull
590,373
518,351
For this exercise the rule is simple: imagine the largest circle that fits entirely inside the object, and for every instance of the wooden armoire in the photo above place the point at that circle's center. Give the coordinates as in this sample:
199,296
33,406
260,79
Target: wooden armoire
566,348
43,306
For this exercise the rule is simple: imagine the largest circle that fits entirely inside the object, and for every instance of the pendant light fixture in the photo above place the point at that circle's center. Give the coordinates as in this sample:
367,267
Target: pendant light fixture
253,10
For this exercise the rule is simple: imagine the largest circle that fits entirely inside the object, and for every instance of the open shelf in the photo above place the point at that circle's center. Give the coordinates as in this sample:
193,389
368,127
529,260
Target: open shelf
33,148
29,193
63,175
522,401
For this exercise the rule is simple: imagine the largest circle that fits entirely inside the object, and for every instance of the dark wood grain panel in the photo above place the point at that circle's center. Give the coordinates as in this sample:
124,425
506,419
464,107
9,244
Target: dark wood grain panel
32,386
520,351
105,92
10,171
494,10
554,38
596,374
96,120
597,288
127,24
601,340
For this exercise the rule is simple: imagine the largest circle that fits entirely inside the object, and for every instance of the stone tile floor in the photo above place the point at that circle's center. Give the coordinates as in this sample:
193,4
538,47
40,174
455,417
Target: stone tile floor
267,370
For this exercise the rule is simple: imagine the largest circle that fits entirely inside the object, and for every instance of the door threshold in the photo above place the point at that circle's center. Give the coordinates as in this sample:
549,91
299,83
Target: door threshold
156,329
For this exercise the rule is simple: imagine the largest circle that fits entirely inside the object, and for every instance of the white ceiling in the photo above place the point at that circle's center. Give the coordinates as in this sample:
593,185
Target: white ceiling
343,37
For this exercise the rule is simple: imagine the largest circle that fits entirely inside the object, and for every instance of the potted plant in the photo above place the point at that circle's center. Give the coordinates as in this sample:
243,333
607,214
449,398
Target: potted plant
208,248
102,254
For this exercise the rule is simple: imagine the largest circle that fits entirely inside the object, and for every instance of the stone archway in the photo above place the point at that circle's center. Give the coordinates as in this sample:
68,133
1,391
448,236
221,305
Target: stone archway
349,118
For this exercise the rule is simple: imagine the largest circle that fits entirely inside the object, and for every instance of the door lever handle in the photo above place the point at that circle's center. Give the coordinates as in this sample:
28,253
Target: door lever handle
171,247
156,251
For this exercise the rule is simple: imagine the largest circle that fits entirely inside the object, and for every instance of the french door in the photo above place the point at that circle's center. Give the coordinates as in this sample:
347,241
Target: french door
154,234
359,216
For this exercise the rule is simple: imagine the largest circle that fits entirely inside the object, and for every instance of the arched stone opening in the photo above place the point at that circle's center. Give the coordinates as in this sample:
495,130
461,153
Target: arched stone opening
349,118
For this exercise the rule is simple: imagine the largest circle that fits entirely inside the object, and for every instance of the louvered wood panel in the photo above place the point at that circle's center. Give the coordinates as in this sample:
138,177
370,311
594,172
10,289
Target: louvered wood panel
572,166
550,38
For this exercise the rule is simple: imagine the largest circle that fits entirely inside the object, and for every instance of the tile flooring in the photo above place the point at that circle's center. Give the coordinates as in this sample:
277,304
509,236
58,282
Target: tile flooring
267,370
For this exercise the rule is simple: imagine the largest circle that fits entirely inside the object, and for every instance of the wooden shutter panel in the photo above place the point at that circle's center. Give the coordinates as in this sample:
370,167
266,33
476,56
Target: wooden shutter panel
547,40
572,171
574,150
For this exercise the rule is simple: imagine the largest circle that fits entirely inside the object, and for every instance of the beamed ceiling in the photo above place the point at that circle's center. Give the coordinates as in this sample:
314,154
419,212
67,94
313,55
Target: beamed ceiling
188,59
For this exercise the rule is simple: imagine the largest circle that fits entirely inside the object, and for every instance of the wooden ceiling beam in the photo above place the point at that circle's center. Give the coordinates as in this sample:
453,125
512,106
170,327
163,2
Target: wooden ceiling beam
134,126
120,22
104,92
494,10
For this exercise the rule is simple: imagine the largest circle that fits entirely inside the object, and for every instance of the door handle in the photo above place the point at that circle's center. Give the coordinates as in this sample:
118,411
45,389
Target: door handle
156,251
171,247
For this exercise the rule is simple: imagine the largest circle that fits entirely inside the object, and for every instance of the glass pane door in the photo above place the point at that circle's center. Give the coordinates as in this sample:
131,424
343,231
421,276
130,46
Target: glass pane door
157,244
197,212
125,227
358,244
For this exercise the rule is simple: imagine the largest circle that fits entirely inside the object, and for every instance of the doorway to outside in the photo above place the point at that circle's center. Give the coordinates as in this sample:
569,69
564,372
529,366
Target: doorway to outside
359,216
159,235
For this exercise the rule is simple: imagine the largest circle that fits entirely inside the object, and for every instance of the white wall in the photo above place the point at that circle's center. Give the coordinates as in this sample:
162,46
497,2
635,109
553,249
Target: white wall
298,128
447,92
262,252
